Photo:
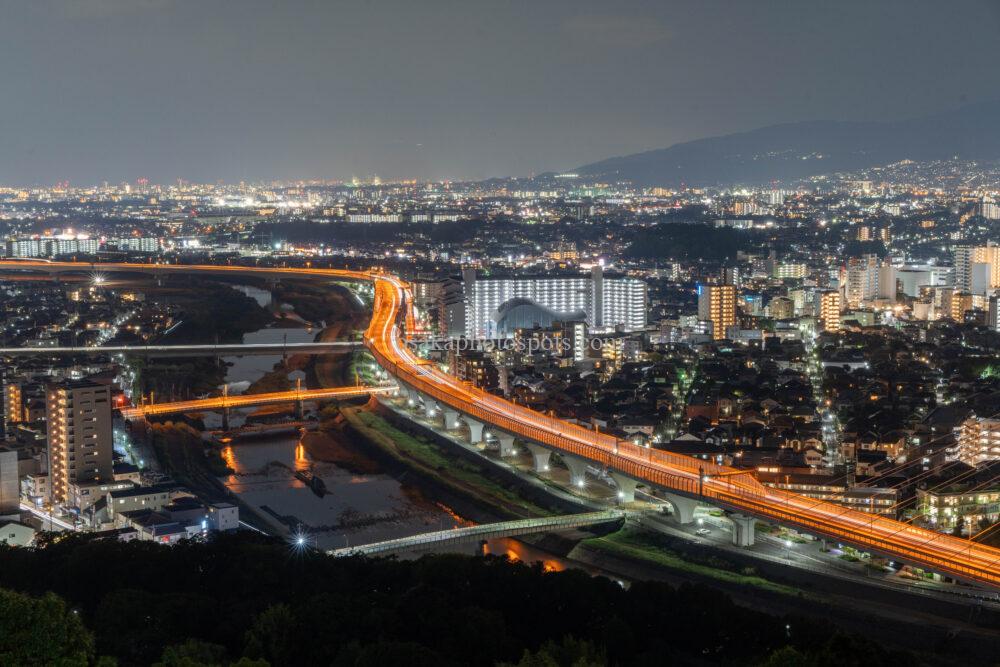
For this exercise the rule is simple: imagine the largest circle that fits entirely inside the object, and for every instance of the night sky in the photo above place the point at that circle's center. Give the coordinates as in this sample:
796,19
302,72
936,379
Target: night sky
94,90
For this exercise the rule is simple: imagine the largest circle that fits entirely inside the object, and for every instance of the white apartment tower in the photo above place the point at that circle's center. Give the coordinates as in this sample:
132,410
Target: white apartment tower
604,302
977,268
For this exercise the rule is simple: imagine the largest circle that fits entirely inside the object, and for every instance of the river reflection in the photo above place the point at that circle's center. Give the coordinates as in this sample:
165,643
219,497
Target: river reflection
357,508
253,366
524,553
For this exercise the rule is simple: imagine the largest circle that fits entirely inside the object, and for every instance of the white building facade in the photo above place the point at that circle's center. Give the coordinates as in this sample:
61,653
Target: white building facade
609,302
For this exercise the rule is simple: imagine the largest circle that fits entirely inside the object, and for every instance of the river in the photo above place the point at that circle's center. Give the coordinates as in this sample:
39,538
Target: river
357,508
251,367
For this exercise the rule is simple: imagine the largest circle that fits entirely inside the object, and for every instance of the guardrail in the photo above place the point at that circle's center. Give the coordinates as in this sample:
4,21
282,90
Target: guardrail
480,532
941,552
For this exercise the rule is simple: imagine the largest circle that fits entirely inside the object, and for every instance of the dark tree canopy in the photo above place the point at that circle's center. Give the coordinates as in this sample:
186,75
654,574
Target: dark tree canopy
246,598
689,242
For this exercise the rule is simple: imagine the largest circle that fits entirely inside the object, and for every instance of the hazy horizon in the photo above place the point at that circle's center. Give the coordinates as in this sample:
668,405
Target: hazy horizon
115,90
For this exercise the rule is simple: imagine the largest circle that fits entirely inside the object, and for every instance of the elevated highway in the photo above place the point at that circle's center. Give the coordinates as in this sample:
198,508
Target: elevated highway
684,480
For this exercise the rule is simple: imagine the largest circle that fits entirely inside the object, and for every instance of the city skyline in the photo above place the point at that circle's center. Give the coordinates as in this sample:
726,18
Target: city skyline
510,333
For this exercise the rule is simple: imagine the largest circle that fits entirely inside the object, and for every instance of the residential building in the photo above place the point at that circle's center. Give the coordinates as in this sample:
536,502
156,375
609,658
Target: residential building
16,534
10,492
978,441
831,488
605,302
78,419
13,404
717,304
969,505
828,310
781,308
977,268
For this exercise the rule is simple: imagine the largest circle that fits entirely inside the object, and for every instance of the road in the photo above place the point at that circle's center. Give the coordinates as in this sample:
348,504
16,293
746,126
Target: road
47,517
186,350
715,533
247,400
717,485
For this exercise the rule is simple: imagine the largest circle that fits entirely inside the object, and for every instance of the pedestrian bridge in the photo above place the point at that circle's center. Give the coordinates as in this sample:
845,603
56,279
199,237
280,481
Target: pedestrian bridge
486,531
686,481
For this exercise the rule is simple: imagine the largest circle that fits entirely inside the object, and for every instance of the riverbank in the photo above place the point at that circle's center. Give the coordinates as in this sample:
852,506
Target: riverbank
638,555
641,546
328,445
474,491
196,465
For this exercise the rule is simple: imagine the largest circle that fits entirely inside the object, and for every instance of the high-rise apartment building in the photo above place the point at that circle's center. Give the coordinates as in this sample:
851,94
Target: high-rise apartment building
48,247
859,279
977,268
731,276
865,279
828,308
13,403
717,304
78,416
497,306
954,303
990,209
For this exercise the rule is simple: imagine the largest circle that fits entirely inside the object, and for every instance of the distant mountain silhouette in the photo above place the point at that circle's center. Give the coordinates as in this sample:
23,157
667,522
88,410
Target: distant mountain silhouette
797,150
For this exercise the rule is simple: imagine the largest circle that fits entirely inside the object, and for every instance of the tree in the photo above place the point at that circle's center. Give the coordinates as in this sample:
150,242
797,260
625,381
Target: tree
41,631
272,636
192,653
786,656
571,652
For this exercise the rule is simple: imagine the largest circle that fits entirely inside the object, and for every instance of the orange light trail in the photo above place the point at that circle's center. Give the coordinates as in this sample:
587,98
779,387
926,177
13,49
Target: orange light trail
715,484
246,400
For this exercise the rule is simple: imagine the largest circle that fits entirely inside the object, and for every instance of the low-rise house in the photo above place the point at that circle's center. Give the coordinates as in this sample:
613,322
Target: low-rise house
16,534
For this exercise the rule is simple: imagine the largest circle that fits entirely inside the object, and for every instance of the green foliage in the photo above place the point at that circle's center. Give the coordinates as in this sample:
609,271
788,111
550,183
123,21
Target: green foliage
181,449
786,656
184,377
272,635
329,303
276,380
41,631
638,545
193,653
246,596
855,248
571,652
688,242
424,455
990,372
214,311
329,412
